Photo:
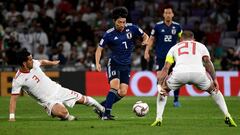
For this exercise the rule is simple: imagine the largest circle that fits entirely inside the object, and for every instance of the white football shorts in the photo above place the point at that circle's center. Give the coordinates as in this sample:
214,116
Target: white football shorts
64,97
199,79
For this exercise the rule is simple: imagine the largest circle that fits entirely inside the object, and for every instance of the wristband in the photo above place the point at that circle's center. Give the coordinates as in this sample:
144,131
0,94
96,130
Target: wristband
11,116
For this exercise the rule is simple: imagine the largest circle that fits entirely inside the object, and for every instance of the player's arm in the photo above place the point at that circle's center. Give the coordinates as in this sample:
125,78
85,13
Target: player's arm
210,69
12,106
98,55
179,34
164,72
148,47
145,39
48,62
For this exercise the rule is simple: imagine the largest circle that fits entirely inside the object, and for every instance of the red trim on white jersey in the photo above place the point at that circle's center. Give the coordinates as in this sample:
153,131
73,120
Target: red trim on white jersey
19,72
24,71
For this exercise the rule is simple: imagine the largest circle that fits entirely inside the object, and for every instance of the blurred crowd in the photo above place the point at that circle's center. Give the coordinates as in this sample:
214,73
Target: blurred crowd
69,30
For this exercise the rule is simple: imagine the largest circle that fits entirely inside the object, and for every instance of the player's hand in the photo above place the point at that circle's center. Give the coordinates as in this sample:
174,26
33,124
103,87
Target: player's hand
162,91
146,56
144,43
11,120
98,67
55,62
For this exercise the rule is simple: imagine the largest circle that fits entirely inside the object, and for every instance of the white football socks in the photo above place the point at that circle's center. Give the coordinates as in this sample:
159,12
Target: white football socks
69,117
161,102
89,101
219,100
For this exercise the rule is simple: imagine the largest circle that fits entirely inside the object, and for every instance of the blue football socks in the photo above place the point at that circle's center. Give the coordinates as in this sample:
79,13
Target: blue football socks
111,98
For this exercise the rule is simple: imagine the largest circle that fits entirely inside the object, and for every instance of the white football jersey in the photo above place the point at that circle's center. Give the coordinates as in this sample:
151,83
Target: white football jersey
188,56
36,83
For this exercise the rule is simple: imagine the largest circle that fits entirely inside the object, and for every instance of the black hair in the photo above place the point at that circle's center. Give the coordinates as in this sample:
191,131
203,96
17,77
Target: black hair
167,7
119,12
22,56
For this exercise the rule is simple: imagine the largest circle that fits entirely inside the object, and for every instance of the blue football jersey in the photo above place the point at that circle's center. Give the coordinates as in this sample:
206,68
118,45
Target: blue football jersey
165,37
121,44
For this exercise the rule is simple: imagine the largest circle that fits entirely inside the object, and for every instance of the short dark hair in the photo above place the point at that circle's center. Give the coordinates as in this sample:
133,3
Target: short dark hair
167,7
119,12
187,34
22,56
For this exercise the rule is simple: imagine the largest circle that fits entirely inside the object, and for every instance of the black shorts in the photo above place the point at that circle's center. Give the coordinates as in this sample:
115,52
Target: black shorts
115,70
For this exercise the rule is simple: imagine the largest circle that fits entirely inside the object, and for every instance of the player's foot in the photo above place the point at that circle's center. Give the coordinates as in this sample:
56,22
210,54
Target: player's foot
156,123
176,104
107,117
98,112
230,122
69,118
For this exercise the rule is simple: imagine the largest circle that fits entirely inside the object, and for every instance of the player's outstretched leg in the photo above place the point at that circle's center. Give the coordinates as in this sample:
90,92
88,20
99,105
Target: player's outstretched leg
111,98
176,102
98,112
219,99
89,101
161,103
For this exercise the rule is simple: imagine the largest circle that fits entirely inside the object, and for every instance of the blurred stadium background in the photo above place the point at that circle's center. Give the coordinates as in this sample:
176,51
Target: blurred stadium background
69,30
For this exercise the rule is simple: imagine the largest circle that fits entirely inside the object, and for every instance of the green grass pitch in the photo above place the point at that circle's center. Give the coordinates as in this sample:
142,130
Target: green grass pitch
196,116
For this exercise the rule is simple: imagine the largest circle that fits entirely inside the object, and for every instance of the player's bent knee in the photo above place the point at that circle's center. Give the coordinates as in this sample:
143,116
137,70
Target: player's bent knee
59,111
64,112
122,93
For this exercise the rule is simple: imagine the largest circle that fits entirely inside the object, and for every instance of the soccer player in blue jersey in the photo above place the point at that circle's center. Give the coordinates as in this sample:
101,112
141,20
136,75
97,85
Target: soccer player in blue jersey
120,40
166,33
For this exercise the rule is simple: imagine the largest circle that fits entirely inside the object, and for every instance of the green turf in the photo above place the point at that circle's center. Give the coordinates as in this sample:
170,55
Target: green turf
197,116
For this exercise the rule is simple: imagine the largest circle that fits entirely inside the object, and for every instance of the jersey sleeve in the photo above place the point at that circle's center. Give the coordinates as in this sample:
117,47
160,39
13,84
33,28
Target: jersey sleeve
179,31
204,51
154,31
36,63
137,30
104,41
16,87
170,56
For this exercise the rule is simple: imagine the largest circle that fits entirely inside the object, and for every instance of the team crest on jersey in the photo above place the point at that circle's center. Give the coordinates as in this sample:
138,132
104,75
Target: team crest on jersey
129,35
174,31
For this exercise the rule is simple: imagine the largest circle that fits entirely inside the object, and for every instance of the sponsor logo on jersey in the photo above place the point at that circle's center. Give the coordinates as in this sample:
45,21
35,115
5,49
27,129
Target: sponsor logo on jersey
162,30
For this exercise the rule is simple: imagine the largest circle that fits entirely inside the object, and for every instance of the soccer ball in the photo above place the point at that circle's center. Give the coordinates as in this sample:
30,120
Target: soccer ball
140,108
